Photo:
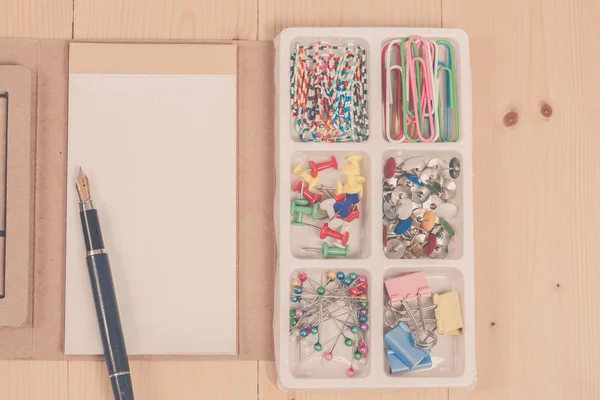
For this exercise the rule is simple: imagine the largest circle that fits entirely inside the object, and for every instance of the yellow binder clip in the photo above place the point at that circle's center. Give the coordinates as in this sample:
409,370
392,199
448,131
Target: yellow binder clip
448,314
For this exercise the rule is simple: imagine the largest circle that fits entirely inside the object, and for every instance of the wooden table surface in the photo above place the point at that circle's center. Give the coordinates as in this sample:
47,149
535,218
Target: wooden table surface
537,216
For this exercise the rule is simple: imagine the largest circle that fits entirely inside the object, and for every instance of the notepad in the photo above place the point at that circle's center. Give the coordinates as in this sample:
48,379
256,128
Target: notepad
154,128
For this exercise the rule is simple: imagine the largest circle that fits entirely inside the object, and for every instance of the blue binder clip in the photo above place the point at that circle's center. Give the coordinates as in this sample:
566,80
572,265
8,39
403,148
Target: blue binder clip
402,343
398,367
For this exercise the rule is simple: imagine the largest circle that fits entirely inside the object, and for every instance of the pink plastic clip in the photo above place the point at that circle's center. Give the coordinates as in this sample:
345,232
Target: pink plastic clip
407,287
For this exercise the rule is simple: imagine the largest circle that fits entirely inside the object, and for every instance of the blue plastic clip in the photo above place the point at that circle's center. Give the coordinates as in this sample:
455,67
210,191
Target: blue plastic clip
402,343
398,367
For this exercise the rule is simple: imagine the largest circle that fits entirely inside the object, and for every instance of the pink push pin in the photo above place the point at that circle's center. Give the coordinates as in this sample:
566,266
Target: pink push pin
362,348
328,232
317,167
310,196
350,373
302,277
328,356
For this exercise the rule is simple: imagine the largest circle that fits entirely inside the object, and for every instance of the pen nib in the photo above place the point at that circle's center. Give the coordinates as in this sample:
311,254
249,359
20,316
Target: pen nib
83,186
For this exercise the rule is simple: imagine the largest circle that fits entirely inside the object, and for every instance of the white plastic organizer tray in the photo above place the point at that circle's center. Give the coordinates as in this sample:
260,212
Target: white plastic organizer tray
453,358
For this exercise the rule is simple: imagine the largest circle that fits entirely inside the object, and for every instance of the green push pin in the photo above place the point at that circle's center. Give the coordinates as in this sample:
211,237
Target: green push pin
447,227
329,251
299,208
298,216
298,220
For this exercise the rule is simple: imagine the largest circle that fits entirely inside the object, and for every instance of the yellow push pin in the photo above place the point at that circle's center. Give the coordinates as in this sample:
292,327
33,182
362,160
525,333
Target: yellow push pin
351,169
339,188
297,170
355,160
312,182
351,188
429,219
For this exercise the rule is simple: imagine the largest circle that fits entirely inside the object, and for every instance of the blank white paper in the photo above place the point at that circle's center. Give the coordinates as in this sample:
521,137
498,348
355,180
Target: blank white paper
160,153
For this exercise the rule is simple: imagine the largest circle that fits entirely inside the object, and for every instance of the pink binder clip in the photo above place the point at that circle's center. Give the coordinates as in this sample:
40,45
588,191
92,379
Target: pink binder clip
407,287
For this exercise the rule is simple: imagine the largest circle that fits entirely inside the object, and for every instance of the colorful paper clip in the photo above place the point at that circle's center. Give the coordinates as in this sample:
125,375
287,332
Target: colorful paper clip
448,314
419,91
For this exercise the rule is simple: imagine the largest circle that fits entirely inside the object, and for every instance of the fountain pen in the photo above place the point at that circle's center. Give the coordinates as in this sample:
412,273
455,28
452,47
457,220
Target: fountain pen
105,298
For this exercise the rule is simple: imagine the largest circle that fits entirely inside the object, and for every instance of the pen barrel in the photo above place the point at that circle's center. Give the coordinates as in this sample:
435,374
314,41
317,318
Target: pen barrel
92,234
109,322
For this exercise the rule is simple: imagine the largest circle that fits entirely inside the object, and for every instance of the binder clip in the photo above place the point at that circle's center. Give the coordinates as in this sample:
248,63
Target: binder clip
407,288
448,313
398,367
402,344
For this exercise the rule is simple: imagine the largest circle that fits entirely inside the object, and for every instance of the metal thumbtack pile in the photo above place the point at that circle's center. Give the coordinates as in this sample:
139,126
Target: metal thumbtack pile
418,206
335,206
329,318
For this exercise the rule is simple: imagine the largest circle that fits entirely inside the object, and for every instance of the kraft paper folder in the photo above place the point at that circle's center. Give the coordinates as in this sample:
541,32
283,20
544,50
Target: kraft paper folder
41,335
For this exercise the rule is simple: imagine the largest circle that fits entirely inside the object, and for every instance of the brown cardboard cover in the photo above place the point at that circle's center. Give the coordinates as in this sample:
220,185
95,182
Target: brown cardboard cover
17,169
43,338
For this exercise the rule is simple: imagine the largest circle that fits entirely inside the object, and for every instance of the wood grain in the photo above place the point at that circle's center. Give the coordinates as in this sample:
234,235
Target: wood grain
164,380
275,15
36,18
536,194
267,386
537,252
33,380
165,19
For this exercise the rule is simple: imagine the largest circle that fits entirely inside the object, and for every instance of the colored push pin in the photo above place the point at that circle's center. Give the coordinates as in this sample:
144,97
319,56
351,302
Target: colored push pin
351,172
301,207
390,168
429,219
298,216
339,188
431,242
354,214
315,168
312,197
318,167
354,160
327,251
343,208
326,231
312,182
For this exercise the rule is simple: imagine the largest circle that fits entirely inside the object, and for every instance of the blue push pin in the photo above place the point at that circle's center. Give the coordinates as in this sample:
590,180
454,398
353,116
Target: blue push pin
342,209
403,226
414,179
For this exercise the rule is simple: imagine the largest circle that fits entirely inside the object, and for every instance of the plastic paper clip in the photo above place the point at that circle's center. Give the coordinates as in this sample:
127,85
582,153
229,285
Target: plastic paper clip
448,313
402,343
398,367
